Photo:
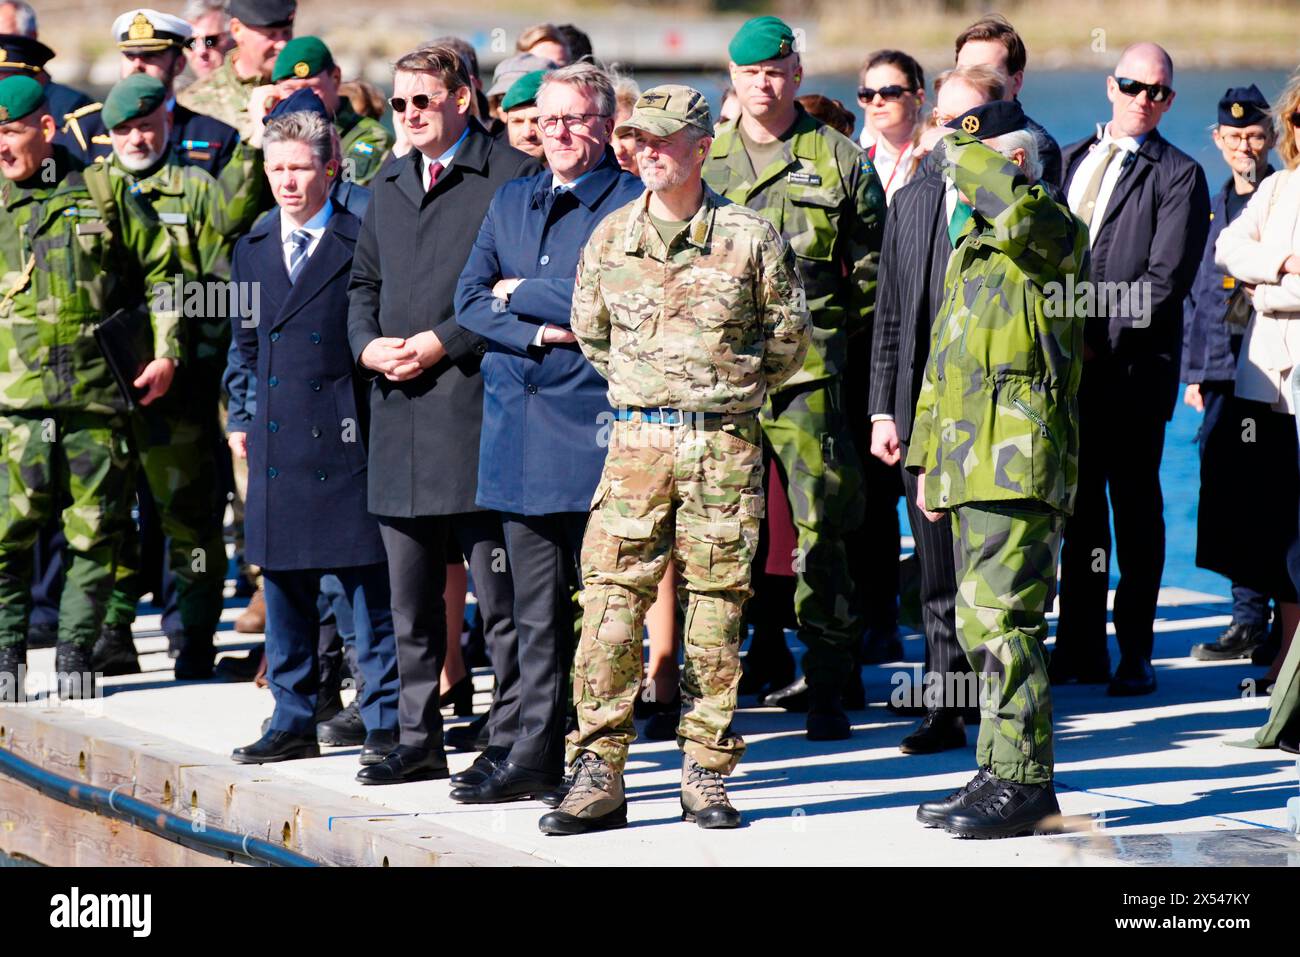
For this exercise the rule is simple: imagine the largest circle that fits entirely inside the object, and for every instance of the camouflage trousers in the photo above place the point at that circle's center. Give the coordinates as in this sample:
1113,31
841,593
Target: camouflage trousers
807,431
76,463
175,445
1006,556
693,497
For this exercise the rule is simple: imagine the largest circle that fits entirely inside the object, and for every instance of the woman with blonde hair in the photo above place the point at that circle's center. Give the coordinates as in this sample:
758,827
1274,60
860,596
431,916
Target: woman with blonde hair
1261,248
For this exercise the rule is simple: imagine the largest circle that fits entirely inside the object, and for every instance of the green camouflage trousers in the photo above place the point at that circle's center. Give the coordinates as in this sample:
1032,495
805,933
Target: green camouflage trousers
1006,557
77,462
694,497
174,442
807,431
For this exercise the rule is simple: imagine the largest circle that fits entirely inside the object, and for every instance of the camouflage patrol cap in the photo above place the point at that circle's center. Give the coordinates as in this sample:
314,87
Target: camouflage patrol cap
759,39
302,57
523,92
20,96
137,95
663,110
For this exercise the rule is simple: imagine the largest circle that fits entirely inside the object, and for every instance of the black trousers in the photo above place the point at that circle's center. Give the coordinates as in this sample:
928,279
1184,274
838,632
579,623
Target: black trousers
417,571
544,554
944,657
1121,442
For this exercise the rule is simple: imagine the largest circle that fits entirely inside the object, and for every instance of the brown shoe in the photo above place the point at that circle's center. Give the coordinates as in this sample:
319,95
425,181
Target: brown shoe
595,801
253,619
704,797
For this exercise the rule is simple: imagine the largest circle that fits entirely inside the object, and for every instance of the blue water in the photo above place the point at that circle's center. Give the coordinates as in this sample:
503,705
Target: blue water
1070,103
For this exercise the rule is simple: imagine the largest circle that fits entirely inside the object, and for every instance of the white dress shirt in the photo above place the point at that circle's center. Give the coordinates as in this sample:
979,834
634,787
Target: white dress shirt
1087,167
445,159
314,227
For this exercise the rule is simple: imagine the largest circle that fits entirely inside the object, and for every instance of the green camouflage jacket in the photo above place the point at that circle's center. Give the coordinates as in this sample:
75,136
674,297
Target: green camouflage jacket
997,418
223,96
205,216
825,199
364,143
707,324
66,262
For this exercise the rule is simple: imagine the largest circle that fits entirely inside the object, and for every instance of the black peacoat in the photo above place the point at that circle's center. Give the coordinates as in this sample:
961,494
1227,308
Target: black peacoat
424,433
306,504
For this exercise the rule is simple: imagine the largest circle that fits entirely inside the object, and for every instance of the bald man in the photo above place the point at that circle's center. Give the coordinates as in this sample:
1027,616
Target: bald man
1148,211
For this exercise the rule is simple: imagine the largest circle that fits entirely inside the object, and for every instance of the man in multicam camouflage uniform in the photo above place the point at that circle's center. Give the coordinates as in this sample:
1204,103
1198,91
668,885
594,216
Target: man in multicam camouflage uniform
690,306
176,439
822,194
75,245
260,29
996,444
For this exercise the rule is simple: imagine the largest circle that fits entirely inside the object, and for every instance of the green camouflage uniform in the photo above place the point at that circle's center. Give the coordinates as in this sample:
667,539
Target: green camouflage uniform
823,196
67,260
223,96
706,325
364,143
996,435
177,436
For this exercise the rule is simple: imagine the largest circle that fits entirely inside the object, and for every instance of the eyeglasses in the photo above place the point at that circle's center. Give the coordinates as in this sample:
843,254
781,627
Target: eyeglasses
1156,92
573,122
210,41
421,101
1234,141
892,92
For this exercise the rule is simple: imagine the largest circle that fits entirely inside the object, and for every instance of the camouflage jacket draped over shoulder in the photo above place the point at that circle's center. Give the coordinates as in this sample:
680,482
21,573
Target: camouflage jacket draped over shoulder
823,196
997,418
708,324
68,260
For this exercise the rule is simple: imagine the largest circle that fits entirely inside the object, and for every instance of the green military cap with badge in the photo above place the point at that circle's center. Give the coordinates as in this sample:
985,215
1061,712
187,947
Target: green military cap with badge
133,97
301,58
759,39
663,110
523,92
20,97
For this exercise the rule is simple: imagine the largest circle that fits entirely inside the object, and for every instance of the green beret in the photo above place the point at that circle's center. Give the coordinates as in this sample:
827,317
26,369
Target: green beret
759,39
137,95
302,57
523,92
20,96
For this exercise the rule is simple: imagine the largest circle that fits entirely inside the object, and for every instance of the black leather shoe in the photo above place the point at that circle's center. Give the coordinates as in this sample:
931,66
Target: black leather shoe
276,746
344,730
1237,641
1005,809
935,813
377,746
942,730
793,697
555,797
469,737
43,635
242,668
459,697
1132,678
404,764
195,662
826,718
12,658
482,768
76,676
509,782
114,652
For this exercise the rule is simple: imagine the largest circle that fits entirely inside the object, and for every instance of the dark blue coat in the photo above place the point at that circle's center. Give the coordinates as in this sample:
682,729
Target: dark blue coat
306,505
1209,347
200,140
544,408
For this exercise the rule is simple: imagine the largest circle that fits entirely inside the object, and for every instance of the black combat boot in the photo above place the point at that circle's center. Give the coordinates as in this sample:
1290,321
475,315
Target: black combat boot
1005,809
935,813
76,677
1237,641
13,658
114,652
826,718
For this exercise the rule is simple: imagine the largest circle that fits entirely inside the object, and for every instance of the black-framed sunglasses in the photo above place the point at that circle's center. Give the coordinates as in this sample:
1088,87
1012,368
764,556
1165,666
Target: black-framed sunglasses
892,92
1156,92
209,42
420,101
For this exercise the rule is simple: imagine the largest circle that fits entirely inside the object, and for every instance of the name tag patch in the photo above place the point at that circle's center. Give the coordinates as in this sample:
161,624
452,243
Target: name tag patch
803,179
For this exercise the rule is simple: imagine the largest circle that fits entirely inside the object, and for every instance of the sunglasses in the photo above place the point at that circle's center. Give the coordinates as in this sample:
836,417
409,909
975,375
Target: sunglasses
1156,92
420,101
892,92
208,42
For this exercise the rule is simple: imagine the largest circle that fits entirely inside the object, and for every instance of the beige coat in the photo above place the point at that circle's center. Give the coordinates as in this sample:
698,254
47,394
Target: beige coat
1253,248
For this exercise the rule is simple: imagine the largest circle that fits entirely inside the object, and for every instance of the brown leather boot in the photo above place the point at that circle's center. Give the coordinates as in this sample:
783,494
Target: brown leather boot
253,619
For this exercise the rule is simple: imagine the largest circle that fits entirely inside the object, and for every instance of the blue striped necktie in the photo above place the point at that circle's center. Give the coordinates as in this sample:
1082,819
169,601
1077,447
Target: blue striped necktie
301,240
